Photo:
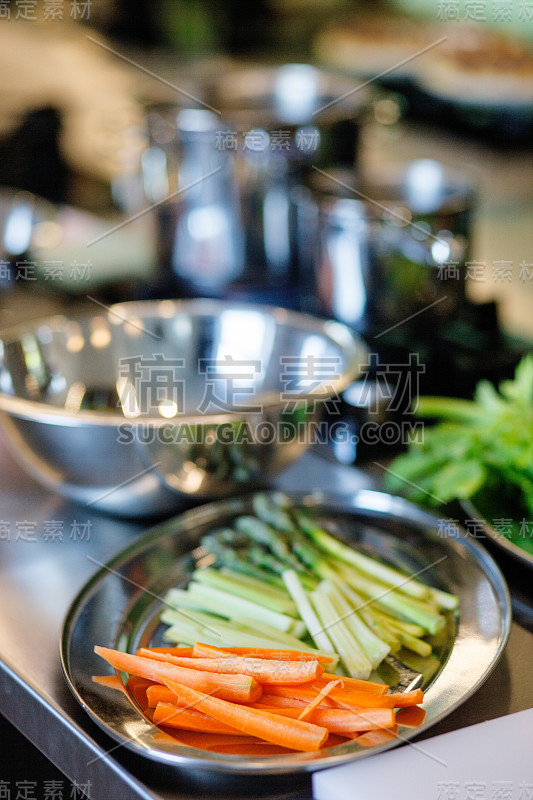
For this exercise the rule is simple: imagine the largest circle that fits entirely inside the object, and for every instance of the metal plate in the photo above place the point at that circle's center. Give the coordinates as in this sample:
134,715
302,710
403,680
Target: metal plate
119,607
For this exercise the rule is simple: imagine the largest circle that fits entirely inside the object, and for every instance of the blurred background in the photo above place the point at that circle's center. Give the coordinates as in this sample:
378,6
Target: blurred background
369,162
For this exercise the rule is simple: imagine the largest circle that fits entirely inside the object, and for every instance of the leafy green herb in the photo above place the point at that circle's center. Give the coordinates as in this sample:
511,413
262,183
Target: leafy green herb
482,444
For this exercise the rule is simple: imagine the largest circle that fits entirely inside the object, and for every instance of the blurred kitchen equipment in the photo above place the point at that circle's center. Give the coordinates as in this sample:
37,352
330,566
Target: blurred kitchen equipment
200,237
138,409
22,216
376,254
67,249
274,124
320,112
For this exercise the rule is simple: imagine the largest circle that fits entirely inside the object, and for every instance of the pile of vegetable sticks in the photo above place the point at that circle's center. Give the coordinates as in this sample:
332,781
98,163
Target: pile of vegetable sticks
255,701
282,573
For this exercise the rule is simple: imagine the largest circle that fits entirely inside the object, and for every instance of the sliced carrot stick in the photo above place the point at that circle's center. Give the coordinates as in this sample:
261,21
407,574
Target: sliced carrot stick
366,720
354,699
264,671
340,720
159,694
291,733
239,688
375,738
288,702
201,650
137,687
305,693
334,739
289,711
345,697
206,741
189,719
169,736
255,749
324,691
173,651
411,716
111,681
401,699
357,683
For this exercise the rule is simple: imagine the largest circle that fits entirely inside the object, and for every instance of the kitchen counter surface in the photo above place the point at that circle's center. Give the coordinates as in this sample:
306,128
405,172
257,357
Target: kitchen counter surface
41,572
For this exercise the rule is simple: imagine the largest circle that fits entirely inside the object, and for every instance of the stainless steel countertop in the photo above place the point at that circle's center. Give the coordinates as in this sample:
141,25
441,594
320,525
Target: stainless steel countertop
39,576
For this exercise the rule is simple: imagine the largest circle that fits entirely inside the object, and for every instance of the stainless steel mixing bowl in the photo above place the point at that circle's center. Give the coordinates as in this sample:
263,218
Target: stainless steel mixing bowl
133,409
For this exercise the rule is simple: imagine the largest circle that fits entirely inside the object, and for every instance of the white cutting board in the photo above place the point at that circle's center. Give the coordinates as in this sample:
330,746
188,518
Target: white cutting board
489,761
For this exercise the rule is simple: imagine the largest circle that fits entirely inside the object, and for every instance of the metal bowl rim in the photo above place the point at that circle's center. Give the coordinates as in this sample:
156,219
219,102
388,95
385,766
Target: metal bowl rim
338,333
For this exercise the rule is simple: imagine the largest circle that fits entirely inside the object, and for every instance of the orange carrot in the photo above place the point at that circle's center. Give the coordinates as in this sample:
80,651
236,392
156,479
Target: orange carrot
111,681
401,699
265,672
159,694
239,688
255,749
310,707
189,719
291,733
350,698
305,693
162,694
289,702
411,716
375,738
204,741
218,743
173,651
334,739
138,687
356,683
340,720
208,651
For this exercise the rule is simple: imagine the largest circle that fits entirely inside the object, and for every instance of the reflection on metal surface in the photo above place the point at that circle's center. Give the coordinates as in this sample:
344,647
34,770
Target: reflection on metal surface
166,389
112,611
75,395
296,89
388,242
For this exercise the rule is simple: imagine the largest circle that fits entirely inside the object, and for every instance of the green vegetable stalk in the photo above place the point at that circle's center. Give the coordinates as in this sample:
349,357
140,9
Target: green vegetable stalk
477,445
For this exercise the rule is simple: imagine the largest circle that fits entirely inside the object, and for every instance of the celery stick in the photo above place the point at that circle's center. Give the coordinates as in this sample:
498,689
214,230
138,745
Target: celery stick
283,640
279,590
444,599
401,626
395,603
391,577
416,645
234,638
374,648
247,588
301,599
356,663
199,595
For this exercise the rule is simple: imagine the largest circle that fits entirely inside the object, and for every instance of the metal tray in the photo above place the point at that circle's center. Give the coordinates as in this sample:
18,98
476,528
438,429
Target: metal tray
119,607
